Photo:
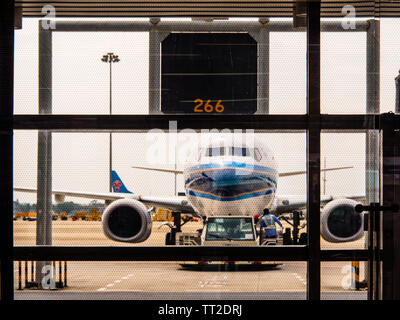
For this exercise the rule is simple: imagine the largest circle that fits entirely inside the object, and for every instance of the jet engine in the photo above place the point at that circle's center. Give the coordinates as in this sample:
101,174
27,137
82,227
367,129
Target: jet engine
340,222
127,220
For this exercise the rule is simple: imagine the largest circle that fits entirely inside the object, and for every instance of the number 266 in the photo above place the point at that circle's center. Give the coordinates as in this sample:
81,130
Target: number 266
207,107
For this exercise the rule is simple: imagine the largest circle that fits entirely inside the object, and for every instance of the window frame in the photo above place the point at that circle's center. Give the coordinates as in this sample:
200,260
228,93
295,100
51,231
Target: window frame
313,122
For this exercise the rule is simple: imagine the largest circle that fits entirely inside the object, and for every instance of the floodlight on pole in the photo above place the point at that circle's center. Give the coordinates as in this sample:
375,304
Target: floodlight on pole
110,58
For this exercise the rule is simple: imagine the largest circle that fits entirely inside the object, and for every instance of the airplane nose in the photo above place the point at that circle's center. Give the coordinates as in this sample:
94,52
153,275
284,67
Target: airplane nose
227,176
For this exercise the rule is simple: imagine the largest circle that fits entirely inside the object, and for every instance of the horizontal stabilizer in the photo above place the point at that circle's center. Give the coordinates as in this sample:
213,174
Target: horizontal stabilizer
296,173
284,174
158,169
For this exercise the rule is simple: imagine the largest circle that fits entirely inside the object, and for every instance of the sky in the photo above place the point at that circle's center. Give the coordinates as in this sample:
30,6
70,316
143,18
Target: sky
80,86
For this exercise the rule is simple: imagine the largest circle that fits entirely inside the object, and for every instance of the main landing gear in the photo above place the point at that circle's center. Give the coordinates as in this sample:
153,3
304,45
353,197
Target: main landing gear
170,237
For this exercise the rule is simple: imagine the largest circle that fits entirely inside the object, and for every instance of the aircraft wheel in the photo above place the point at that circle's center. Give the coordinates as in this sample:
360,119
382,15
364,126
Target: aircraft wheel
287,238
169,239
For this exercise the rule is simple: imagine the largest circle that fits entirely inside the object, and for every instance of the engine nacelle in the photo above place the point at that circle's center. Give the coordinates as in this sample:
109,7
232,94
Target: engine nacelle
340,222
127,220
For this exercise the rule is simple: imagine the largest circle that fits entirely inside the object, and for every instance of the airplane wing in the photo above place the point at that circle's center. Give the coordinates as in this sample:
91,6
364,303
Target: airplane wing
283,174
179,204
172,203
287,204
158,169
88,195
296,173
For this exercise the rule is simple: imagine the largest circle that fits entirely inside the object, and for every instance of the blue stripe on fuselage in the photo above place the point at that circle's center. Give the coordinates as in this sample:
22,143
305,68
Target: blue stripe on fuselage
228,177
240,197
230,173
230,164
227,181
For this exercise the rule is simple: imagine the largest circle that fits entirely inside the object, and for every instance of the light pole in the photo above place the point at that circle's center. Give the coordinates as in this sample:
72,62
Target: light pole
110,58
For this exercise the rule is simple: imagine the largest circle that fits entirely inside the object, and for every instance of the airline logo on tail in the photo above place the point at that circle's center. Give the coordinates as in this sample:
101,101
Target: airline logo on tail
117,185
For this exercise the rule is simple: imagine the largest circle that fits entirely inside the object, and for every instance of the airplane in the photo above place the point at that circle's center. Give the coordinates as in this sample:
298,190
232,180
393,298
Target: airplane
227,186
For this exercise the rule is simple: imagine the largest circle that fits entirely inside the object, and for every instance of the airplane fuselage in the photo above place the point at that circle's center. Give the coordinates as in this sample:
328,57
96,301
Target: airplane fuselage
231,180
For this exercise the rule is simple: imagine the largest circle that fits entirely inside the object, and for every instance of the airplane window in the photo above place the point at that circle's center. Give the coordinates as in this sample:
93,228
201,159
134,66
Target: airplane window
215,152
246,152
239,152
233,151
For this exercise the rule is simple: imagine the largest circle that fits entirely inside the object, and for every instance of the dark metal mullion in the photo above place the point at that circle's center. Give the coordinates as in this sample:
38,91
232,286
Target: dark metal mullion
159,253
6,147
390,183
344,255
389,221
147,122
181,253
313,151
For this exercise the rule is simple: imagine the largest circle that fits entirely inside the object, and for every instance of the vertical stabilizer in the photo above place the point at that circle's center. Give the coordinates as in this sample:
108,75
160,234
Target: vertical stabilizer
117,185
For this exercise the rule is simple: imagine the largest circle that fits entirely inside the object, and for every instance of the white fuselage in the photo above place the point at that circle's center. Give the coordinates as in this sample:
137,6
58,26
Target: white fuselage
231,180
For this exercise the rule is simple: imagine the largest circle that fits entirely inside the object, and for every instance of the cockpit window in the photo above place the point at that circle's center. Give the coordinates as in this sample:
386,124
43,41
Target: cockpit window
215,152
233,151
239,152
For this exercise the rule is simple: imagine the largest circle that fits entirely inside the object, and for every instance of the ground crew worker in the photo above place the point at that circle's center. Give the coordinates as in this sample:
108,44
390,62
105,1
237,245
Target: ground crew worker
268,222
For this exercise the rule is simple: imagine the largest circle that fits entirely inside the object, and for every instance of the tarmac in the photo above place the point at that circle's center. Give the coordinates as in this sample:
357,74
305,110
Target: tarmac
158,280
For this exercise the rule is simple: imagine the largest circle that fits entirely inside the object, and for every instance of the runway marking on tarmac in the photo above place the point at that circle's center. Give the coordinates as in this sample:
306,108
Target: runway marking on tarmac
213,282
287,290
118,281
208,290
298,277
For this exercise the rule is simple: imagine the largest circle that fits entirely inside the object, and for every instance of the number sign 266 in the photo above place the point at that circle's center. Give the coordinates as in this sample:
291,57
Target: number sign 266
207,107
